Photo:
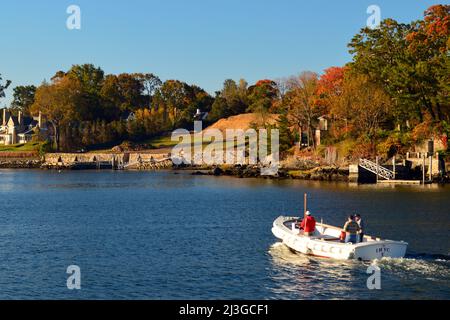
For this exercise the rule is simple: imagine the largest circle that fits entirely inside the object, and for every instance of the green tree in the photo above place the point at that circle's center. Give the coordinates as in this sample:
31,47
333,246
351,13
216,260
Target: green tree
231,100
262,97
130,88
111,98
89,106
4,86
150,83
429,44
23,98
286,137
409,61
122,94
178,102
89,77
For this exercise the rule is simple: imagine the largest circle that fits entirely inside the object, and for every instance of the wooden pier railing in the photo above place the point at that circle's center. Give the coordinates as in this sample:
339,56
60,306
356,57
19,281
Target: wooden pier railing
374,167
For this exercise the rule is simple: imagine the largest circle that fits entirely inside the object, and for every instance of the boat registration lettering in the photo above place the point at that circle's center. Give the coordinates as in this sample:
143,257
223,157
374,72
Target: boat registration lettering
382,250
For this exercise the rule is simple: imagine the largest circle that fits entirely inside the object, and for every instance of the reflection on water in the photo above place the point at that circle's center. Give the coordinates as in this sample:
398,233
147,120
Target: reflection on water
307,277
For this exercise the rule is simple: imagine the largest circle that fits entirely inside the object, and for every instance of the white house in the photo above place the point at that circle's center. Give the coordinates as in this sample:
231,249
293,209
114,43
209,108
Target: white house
200,116
18,129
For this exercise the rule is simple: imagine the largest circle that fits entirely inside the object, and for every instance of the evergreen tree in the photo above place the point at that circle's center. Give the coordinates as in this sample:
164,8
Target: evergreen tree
286,138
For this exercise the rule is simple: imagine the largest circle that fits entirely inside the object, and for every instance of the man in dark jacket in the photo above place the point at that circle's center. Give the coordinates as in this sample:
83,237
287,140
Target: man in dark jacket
360,222
351,229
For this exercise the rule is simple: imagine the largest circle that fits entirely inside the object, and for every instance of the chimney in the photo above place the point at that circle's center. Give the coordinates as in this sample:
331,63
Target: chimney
4,117
40,119
19,118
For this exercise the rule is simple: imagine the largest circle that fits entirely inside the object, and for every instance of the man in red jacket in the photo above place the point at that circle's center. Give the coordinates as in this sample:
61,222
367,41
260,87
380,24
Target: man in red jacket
308,225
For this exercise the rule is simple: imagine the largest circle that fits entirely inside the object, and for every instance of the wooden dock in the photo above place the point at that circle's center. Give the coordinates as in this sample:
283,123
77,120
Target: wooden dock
391,175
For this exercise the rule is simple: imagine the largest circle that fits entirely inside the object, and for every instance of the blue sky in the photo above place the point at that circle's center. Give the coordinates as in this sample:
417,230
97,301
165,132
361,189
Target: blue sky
198,41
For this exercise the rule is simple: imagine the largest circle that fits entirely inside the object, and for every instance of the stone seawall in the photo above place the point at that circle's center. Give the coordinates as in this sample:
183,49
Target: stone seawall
20,160
99,160
20,163
71,158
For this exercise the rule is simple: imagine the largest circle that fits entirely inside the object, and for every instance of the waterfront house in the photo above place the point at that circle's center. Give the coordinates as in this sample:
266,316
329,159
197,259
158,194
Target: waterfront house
18,129
200,116
130,117
319,131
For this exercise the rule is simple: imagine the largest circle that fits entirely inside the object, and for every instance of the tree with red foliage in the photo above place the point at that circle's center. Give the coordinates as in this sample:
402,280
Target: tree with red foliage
329,86
433,31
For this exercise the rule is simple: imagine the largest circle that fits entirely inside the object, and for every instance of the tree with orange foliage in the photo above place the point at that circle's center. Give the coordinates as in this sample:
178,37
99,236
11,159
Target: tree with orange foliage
302,101
330,88
58,101
364,103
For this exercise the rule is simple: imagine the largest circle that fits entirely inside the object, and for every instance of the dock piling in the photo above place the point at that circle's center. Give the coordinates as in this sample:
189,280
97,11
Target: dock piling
393,167
423,169
431,168
377,161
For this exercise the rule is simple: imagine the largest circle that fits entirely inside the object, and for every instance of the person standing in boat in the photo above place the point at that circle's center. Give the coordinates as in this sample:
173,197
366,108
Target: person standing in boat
360,222
351,228
308,225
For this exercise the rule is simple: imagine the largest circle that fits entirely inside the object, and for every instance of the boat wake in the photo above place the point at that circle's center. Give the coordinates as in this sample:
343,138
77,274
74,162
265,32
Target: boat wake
302,276
432,266
298,276
430,257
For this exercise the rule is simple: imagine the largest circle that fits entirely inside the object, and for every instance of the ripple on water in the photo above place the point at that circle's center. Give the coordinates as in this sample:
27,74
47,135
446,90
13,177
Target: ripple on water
156,235
307,277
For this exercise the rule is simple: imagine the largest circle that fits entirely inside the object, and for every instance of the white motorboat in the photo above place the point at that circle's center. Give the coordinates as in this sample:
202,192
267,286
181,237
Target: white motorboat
325,242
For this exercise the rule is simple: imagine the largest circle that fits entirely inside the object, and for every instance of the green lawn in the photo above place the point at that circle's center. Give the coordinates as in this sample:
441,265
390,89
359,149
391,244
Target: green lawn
164,142
161,142
31,146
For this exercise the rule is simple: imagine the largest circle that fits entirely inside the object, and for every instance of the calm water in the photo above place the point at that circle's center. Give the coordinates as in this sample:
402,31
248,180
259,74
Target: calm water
160,235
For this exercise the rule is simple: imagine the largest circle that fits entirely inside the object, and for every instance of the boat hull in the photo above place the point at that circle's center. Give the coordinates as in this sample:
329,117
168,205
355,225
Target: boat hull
318,245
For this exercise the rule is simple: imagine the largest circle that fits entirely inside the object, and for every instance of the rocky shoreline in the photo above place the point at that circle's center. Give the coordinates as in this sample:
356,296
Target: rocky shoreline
327,173
20,163
317,173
